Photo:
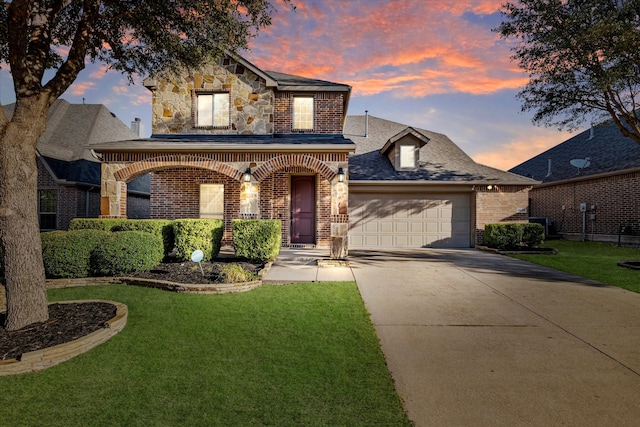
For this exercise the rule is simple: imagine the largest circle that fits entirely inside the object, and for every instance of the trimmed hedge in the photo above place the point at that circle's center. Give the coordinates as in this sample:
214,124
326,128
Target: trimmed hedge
532,234
511,235
159,227
127,252
104,224
193,234
66,254
257,239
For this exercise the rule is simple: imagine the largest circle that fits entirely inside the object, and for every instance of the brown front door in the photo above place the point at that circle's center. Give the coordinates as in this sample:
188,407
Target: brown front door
303,208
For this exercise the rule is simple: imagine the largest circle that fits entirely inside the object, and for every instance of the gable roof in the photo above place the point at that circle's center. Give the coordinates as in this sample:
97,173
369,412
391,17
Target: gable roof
440,160
605,147
65,145
422,139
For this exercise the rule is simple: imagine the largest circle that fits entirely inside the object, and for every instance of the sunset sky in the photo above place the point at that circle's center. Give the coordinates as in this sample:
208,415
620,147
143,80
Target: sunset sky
432,64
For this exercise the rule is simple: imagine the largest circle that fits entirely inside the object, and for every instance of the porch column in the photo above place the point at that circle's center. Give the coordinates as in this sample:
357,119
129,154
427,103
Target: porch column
339,215
249,200
113,194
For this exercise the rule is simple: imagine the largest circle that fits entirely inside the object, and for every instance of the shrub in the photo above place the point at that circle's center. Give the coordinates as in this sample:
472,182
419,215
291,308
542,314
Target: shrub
532,234
105,224
162,228
193,234
127,252
67,254
502,236
257,239
234,273
159,227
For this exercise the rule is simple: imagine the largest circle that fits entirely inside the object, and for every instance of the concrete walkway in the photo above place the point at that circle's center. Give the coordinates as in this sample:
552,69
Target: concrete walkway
306,265
477,339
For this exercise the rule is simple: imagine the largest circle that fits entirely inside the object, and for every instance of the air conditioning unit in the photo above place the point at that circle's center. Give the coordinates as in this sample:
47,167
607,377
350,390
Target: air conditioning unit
544,221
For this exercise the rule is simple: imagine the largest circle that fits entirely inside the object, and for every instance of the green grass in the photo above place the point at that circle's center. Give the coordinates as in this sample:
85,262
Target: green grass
593,260
296,355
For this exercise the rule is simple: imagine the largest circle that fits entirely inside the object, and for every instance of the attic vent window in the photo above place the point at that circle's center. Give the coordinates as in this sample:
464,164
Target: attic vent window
212,109
407,157
303,113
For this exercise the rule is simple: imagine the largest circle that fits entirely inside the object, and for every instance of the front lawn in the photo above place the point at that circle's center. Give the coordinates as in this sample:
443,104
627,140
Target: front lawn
593,260
303,354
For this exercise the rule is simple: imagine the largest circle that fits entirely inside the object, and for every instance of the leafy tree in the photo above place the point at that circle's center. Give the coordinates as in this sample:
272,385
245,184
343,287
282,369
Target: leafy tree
131,36
583,59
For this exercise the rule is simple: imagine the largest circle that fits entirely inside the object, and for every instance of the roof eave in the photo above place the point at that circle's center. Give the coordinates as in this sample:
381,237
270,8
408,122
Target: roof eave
228,148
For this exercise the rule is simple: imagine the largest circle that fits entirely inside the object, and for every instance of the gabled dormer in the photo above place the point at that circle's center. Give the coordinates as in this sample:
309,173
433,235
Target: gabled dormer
403,149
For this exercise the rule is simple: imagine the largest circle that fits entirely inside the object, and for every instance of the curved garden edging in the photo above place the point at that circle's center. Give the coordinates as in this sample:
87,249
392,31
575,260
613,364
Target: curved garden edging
39,360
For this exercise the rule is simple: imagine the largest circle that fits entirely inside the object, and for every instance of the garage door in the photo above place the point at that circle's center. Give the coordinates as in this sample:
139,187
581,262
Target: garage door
383,220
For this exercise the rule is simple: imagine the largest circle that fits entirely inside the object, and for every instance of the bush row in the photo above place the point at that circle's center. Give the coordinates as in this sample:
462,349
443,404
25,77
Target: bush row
93,252
511,235
162,228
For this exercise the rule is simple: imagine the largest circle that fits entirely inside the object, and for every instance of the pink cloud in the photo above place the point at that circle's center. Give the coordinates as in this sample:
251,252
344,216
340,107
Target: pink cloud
80,88
439,46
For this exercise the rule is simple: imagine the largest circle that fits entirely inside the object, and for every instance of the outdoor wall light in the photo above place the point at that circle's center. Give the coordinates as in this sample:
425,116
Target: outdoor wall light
247,175
340,175
489,187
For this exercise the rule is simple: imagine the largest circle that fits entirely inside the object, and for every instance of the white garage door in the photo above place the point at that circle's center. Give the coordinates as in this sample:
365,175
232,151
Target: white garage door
383,220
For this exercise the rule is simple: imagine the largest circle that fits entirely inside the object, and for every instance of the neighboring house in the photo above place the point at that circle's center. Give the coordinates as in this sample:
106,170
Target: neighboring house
68,174
412,188
590,186
234,141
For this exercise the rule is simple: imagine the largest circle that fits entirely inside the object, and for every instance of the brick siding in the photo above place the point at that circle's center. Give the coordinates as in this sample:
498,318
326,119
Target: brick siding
500,204
616,200
328,112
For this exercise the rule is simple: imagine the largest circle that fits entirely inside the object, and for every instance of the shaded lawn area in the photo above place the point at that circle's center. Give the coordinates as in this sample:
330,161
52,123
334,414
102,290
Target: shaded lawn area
304,355
592,260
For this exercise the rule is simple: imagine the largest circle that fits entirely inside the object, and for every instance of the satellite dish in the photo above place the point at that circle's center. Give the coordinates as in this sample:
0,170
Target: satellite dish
581,163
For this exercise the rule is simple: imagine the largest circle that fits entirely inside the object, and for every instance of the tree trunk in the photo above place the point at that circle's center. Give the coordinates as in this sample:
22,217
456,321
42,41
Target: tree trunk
19,226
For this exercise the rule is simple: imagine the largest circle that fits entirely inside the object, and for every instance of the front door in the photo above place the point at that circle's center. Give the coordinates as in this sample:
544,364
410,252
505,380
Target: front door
303,208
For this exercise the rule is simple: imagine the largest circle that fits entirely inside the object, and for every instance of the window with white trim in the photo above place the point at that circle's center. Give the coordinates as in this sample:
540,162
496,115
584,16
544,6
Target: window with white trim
212,109
407,157
212,201
303,112
47,209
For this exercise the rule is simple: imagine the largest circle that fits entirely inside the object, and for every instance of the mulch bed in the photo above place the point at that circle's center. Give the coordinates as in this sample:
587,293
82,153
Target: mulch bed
189,272
68,322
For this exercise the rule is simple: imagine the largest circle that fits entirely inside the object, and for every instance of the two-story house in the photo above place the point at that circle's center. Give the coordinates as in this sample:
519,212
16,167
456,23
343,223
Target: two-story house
233,141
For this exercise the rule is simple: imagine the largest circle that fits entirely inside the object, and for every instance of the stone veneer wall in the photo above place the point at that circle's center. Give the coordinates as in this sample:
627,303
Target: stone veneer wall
251,102
499,204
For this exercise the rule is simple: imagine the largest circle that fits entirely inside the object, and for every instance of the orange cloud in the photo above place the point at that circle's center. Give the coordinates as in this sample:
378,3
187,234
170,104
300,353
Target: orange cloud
441,47
510,154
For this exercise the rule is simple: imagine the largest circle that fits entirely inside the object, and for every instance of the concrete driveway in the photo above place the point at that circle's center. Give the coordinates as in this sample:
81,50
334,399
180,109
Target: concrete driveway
477,339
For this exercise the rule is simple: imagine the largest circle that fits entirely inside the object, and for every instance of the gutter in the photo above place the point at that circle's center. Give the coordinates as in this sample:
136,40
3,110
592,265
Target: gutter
588,177
227,148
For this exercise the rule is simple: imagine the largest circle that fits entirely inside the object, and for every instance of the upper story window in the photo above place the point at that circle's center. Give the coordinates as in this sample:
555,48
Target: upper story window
407,156
212,109
303,112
